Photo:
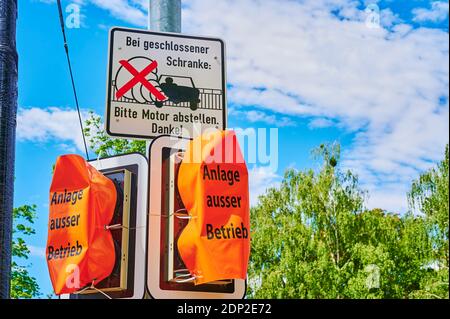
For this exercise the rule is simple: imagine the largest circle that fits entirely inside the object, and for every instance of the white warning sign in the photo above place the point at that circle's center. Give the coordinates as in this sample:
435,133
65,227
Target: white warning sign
164,84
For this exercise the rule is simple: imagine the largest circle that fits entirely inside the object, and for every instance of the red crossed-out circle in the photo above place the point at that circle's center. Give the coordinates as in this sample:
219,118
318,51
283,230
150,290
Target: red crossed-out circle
139,77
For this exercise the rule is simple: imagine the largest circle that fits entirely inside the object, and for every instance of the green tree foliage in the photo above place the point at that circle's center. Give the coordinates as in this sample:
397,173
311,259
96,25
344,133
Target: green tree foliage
312,238
23,285
429,196
103,145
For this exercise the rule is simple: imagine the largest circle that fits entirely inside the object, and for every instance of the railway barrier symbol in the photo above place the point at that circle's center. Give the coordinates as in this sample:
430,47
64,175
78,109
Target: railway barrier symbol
147,87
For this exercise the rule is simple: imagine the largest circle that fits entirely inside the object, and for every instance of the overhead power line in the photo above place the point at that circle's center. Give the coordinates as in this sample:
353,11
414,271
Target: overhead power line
66,48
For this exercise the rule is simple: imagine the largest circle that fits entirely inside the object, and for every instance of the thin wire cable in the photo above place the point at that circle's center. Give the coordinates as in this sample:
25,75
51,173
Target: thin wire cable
66,48
119,226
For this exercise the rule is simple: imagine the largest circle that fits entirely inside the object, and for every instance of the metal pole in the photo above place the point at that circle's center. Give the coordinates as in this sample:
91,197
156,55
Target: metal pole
8,113
165,16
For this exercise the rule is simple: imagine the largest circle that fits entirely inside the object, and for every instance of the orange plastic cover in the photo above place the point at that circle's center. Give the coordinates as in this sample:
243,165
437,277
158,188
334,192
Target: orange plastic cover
80,250
213,185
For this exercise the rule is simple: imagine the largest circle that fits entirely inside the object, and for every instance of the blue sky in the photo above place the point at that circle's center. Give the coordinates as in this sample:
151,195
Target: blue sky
315,69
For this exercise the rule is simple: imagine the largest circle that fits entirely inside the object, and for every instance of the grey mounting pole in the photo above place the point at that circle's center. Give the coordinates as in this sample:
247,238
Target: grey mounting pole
164,16
8,115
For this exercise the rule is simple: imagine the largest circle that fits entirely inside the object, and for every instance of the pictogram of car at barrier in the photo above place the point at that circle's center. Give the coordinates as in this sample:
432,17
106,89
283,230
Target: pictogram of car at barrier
177,93
179,90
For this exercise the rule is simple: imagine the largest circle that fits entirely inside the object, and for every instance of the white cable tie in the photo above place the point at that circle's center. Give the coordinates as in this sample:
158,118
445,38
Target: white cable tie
180,155
113,227
182,276
186,274
183,217
179,270
181,281
119,226
173,214
180,210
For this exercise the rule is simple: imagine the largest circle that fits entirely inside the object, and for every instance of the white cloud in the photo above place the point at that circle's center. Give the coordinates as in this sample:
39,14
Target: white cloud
389,18
52,124
392,198
133,11
129,11
255,116
79,2
69,9
320,122
103,26
37,251
261,178
143,4
437,13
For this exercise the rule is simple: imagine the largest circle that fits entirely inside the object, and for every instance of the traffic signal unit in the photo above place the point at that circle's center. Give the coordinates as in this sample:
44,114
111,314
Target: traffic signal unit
124,181
167,276
174,220
127,280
